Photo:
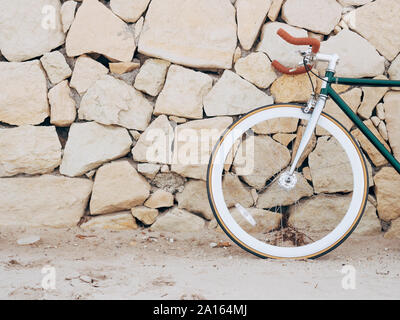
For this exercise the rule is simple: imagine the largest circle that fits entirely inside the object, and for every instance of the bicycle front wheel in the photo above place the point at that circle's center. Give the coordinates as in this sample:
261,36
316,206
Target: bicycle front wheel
273,214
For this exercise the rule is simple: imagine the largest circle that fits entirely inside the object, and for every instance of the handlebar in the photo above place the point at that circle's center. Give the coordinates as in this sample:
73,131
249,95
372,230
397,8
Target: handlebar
314,43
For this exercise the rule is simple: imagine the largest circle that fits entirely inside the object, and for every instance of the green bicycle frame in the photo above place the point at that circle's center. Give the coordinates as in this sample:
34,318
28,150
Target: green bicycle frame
330,92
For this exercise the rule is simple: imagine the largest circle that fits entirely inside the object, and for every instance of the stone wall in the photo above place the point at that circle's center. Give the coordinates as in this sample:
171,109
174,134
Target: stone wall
85,84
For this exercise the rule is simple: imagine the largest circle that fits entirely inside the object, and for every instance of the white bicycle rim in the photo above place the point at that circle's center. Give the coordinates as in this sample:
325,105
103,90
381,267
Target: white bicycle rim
317,248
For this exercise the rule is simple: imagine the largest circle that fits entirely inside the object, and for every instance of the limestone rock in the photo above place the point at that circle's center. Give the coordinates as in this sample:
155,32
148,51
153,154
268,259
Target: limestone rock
273,12
266,220
123,67
320,213
199,34
86,72
63,109
194,199
330,167
392,115
251,15
91,144
369,224
379,15
284,138
275,195
169,181
67,14
387,186
257,69
371,98
29,28
23,98
278,49
115,222
394,230
292,88
151,76
155,144
97,29
232,95
277,125
112,101
375,156
56,67
347,3
127,10
160,199
235,192
43,201
380,111
118,187
353,99
394,71
258,158
183,93
145,215
178,221
29,149
138,29
149,170
193,145
307,14
367,63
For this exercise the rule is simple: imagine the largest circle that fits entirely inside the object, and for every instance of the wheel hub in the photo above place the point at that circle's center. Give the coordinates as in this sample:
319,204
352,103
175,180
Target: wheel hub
287,181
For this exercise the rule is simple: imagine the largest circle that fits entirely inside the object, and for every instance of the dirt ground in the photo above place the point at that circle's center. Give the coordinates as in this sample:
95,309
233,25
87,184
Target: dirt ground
144,265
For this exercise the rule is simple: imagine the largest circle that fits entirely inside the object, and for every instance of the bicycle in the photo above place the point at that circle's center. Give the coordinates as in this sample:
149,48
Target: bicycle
259,188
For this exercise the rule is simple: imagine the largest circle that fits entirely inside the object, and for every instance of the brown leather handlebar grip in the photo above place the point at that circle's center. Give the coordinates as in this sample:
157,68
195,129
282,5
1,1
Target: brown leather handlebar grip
283,69
315,43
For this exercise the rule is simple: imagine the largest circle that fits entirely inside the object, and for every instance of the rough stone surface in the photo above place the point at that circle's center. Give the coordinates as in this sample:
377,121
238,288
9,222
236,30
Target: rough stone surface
330,167
379,15
29,149
257,69
97,29
193,33
43,201
308,149
56,67
369,224
236,192
114,222
145,215
371,98
394,230
118,187
24,93
62,106
179,221
67,14
278,125
91,144
155,144
273,12
366,63
194,199
29,28
318,16
151,76
232,95
387,186
127,10
123,67
392,115
86,72
376,157
112,101
183,93
160,199
193,145
251,15
269,158
394,71
266,220
278,49
292,88
149,170
275,195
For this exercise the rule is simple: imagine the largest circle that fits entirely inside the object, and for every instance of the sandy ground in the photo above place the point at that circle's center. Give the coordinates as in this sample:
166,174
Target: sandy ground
144,265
